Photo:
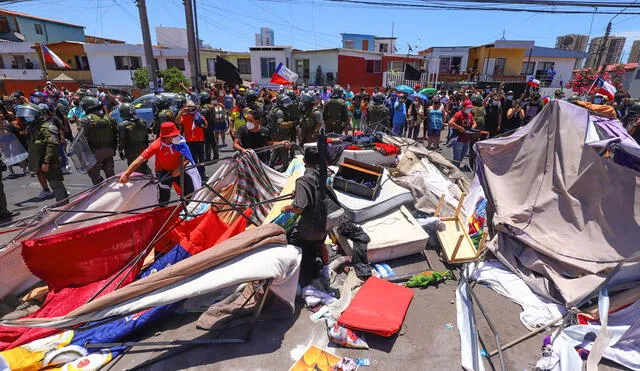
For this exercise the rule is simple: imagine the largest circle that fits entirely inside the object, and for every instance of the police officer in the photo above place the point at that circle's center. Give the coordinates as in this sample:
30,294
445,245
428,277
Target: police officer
293,114
310,119
44,140
280,127
101,132
162,112
377,114
133,136
207,110
335,113
632,115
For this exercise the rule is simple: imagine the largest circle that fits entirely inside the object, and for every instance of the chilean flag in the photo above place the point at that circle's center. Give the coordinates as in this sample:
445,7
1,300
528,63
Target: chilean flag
51,57
603,87
533,82
283,76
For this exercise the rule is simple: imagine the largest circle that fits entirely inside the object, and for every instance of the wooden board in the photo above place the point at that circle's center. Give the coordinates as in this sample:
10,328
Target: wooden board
449,239
287,189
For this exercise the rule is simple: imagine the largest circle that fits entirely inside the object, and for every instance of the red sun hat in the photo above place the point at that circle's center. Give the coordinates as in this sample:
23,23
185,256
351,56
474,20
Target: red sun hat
467,104
168,129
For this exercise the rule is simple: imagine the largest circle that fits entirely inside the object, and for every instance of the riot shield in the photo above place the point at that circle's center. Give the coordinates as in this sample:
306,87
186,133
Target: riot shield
80,153
12,150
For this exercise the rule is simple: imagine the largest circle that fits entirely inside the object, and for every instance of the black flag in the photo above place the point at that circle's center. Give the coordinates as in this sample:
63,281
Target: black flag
410,73
227,72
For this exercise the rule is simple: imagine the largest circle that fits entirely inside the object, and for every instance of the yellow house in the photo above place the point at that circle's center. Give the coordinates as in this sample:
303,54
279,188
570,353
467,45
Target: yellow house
241,60
499,61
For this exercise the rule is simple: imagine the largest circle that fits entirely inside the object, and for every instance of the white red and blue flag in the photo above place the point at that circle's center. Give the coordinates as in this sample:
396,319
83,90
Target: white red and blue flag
601,86
283,76
51,57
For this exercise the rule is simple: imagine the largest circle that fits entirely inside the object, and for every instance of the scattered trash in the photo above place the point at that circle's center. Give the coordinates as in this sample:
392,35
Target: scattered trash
427,278
316,358
317,316
344,336
384,270
484,353
346,364
363,362
449,326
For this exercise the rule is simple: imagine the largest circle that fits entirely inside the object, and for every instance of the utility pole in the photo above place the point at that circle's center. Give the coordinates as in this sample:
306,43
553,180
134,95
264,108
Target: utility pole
148,47
603,46
191,41
195,21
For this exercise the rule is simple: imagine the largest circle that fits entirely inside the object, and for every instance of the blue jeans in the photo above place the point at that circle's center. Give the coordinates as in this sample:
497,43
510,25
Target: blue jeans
460,149
397,129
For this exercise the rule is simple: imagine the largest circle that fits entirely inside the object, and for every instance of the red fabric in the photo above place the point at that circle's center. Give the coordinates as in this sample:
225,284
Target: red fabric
205,234
59,303
279,80
379,308
388,149
352,147
166,157
192,133
236,228
465,120
92,253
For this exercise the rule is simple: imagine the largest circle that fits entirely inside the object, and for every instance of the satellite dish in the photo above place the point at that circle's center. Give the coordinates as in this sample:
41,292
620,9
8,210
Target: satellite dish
19,36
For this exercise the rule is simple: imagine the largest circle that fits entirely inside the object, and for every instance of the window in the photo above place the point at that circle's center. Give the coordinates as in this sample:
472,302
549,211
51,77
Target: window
455,64
267,67
383,48
38,27
127,62
365,44
348,44
211,66
638,74
4,25
19,59
287,62
541,70
82,62
396,66
445,65
177,63
527,68
374,66
244,66
155,61
302,68
498,69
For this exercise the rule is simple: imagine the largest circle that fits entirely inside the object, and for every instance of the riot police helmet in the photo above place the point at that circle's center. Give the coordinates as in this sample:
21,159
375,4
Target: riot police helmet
89,104
180,100
126,110
205,98
378,98
30,113
283,100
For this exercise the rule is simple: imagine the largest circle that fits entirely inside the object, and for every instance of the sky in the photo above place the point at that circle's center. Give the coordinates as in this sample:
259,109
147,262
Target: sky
231,25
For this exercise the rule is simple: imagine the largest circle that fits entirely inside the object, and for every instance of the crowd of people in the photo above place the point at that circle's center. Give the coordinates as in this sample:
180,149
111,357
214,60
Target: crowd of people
46,121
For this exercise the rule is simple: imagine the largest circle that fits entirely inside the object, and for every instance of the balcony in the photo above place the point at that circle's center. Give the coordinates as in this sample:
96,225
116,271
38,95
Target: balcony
21,74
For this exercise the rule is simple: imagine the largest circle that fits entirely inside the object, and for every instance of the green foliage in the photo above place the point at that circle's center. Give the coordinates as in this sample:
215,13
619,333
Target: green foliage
172,79
141,78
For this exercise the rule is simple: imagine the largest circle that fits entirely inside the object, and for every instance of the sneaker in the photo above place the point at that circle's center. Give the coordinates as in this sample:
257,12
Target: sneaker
44,194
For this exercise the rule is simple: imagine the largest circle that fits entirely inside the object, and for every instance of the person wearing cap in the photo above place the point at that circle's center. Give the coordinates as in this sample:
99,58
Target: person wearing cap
168,150
460,122
193,123
253,135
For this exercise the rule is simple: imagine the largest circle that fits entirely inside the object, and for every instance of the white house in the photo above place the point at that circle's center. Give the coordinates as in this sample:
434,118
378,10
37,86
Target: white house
538,60
306,63
446,59
14,58
265,59
114,64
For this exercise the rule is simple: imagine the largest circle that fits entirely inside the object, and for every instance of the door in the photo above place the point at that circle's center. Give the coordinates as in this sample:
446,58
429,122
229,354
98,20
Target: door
365,44
489,65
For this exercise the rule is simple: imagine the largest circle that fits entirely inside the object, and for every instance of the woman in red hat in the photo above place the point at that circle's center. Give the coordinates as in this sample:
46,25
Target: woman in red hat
168,149
461,122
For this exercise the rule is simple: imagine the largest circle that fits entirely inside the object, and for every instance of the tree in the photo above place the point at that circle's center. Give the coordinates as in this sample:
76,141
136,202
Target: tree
141,78
583,79
172,79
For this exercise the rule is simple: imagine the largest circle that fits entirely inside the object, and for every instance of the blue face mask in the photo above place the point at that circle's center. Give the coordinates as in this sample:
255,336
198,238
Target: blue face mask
467,110
495,102
597,100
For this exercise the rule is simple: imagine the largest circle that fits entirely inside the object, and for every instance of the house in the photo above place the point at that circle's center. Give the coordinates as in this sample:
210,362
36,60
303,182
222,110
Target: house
500,61
316,67
114,64
359,69
242,61
358,42
22,27
14,58
538,60
385,44
448,59
634,84
265,59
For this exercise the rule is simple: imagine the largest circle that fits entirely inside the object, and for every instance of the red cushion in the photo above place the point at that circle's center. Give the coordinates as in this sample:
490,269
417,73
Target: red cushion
379,308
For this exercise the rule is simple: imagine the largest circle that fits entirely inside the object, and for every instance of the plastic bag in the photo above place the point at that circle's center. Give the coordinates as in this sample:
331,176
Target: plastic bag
344,336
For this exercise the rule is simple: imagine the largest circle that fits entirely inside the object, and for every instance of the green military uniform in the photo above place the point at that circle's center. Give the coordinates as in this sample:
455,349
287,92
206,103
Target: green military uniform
43,149
101,132
133,139
336,116
210,145
377,117
310,124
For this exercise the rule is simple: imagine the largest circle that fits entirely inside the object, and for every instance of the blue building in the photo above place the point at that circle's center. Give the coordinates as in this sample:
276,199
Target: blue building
358,41
16,26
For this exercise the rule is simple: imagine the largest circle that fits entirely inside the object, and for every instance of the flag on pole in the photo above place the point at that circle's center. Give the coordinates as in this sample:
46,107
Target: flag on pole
51,57
600,86
535,83
283,76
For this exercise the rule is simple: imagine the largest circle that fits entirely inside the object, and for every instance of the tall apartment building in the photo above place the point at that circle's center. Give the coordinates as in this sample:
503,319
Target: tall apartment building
634,56
611,51
575,43
265,37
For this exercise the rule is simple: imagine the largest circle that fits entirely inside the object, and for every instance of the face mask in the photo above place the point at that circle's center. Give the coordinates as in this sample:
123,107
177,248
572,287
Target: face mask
251,125
30,118
36,100
597,100
467,110
495,102
509,97
175,140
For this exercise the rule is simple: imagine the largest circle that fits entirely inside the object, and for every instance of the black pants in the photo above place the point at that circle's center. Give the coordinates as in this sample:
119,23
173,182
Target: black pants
166,180
210,146
311,263
197,151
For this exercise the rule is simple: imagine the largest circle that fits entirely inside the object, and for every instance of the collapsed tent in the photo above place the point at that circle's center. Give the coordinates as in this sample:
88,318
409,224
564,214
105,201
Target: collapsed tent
563,214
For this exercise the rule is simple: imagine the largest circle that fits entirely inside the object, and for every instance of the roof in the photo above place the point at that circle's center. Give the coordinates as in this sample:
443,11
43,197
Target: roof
25,15
627,66
541,51
385,37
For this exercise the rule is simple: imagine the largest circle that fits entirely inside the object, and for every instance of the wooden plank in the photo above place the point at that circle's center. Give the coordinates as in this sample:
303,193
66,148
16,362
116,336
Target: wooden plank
449,238
440,203
360,169
287,189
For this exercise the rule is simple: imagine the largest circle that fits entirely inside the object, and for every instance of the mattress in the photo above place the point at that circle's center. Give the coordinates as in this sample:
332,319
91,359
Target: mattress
368,156
390,197
393,235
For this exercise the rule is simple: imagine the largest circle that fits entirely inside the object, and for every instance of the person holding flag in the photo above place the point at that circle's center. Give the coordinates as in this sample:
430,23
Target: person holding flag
171,153
605,88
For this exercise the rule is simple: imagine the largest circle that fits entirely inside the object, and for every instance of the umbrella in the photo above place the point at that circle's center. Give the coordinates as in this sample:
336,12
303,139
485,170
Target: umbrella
404,89
431,91
419,95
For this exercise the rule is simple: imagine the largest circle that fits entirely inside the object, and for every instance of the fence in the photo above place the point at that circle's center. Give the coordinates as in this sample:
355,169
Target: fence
503,78
426,79
327,78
